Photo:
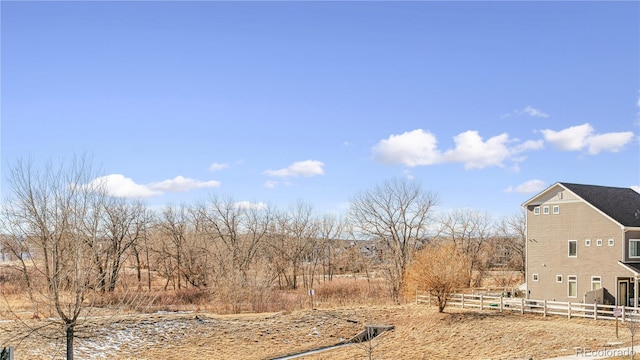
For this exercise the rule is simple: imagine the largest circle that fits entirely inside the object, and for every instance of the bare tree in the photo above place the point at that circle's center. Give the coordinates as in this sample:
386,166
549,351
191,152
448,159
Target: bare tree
183,253
46,214
330,230
512,232
240,228
440,270
237,232
397,213
292,241
468,230
115,225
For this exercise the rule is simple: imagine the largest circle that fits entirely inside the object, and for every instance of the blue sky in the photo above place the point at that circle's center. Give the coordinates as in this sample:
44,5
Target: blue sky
484,103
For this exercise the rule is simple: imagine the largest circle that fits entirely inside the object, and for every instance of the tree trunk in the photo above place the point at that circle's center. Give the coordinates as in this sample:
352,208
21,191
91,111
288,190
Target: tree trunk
69,332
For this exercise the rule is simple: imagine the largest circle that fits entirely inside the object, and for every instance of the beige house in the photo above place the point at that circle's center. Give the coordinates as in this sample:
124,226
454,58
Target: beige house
583,244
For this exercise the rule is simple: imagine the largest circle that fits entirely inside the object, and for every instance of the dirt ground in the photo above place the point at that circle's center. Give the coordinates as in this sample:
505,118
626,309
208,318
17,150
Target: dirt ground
420,333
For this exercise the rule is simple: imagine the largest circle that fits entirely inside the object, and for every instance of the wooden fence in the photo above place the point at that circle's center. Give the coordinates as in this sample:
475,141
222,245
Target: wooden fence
529,306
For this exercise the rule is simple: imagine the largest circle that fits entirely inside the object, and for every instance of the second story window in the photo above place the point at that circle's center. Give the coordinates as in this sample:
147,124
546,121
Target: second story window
573,248
634,248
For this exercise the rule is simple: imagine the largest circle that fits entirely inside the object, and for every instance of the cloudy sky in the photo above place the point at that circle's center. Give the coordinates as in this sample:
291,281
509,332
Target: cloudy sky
484,103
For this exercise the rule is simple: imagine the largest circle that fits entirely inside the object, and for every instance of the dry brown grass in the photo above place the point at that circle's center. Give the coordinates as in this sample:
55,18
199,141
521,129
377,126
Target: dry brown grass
420,333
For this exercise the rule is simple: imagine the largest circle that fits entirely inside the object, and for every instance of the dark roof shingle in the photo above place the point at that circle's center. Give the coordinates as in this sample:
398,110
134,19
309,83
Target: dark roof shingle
621,204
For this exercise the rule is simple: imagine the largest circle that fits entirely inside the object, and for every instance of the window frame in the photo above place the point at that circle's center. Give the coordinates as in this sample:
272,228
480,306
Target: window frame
637,256
587,242
545,210
556,209
611,242
559,279
569,248
593,281
535,277
572,279
599,242
536,210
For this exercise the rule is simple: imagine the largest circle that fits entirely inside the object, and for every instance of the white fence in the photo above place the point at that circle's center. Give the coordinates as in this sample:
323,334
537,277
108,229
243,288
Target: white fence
542,307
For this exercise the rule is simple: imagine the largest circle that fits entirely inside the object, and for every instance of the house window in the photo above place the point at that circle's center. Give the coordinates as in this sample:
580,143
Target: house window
587,242
535,277
599,242
572,286
545,210
558,278
556,209
596,282
611,242
573,248
536,210
634,248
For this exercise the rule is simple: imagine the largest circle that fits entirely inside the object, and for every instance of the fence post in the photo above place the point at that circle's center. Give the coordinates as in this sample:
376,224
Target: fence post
544,308
569,310
481,302
462,295
623,312
501,303
521,306
595,310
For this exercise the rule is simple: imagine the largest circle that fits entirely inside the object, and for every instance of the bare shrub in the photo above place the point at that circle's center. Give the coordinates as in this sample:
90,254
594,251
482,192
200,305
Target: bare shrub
440,270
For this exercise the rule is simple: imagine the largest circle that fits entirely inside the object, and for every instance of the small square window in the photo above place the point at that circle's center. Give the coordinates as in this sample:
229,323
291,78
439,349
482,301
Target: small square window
536,210
611,242
599,242
587,242
556,209
545,210
535,277
558,278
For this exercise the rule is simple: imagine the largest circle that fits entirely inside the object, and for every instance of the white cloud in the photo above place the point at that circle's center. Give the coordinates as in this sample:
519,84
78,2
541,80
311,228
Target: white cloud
529,145
528,110
583,136
419,147
217,166
412,148
612,142
120,186
533,112
305,168
182,184
270,184
475,153
531,186
250,205
570,139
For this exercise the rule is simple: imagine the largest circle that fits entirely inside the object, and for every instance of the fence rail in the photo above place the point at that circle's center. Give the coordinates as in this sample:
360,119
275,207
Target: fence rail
529,306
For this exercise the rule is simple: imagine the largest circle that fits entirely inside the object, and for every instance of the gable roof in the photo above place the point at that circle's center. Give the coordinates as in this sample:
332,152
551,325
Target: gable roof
620,204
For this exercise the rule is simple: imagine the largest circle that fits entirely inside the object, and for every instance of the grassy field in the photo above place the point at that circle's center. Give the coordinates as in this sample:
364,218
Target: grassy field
420,333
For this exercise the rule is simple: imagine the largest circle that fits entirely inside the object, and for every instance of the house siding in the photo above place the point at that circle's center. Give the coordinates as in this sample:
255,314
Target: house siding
547,247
